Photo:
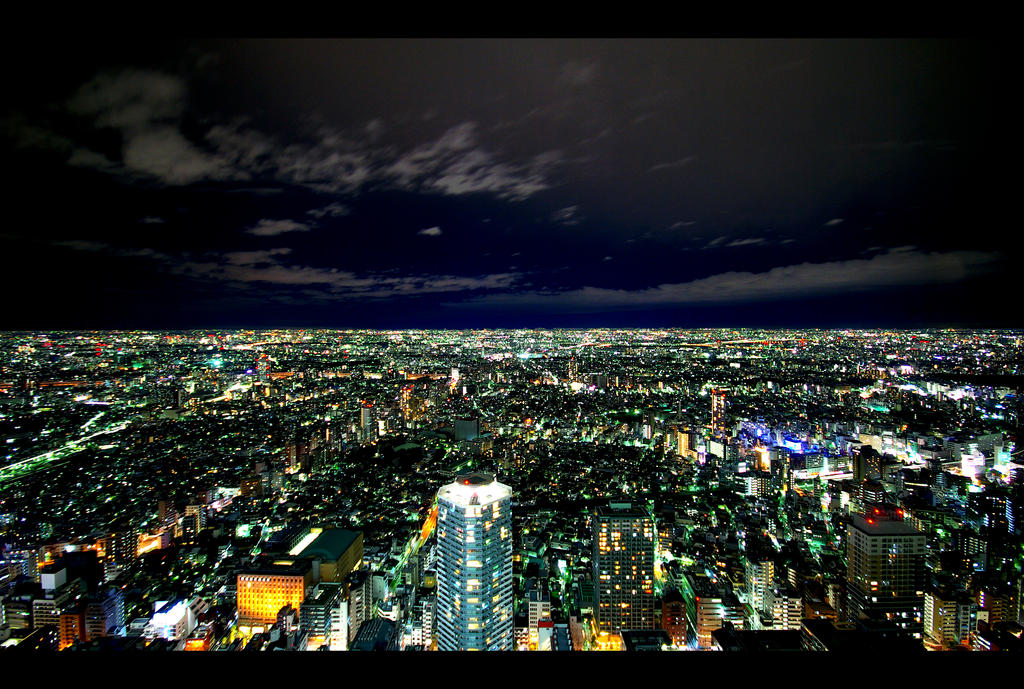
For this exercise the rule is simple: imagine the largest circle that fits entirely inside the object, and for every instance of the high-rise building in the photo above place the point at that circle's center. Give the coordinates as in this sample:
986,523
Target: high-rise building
467,429
785,605
718,410
757,483
368,417
95,619
360,600
867,463
72,627
759,577
885,570
708,607
197,515
673,617
538,610
474,565
948,617
685,443
624,544
323,617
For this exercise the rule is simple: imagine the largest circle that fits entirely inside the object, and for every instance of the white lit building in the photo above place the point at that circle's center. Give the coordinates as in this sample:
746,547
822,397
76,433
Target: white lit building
175,619
474,565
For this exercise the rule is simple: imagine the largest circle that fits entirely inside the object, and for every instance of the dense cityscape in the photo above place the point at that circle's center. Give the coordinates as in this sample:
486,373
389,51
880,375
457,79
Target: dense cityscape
675,345
511,490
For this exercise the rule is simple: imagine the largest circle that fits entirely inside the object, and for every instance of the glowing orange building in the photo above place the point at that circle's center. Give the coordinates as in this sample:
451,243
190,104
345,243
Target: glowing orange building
201,638
72,628
263,592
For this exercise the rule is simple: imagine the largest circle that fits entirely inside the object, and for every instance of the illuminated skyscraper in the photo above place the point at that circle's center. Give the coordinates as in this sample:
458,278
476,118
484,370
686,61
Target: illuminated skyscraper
368,422
624,545
885,570
718,410
474,565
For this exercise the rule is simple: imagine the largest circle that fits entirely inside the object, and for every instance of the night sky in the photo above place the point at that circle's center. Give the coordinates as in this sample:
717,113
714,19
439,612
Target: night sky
507,183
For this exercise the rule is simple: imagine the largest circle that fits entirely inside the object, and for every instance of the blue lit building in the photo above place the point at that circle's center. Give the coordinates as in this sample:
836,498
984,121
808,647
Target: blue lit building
474,566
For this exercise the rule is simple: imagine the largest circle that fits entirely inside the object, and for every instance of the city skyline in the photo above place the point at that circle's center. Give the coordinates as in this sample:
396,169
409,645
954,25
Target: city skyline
511,490
510,345
507,183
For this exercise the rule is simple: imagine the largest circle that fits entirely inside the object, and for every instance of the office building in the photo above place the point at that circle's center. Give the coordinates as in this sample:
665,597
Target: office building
708,607
474,565
785,606
360,600
467,429
948,619
264,590
337,551
759,577
885,570
624,544
323,617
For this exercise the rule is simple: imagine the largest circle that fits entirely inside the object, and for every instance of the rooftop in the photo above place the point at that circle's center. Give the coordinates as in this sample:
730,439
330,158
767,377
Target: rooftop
883,527
474,489
330,544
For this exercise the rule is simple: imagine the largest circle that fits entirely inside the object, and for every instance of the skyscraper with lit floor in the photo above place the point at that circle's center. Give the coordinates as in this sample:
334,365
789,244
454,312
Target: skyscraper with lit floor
624,544
718,410
474,565
885,569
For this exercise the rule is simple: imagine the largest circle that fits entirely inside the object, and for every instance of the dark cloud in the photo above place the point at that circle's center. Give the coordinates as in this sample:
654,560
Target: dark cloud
673,165
566,216
332,210
578,73
271,228
896,268
617,174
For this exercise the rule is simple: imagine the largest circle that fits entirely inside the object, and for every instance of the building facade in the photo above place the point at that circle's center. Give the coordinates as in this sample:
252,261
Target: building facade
474,565
624,544
885,570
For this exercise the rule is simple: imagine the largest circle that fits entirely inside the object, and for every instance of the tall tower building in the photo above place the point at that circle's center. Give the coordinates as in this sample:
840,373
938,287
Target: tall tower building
368,421
885,570
624,545
718,410
474,565
759,578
